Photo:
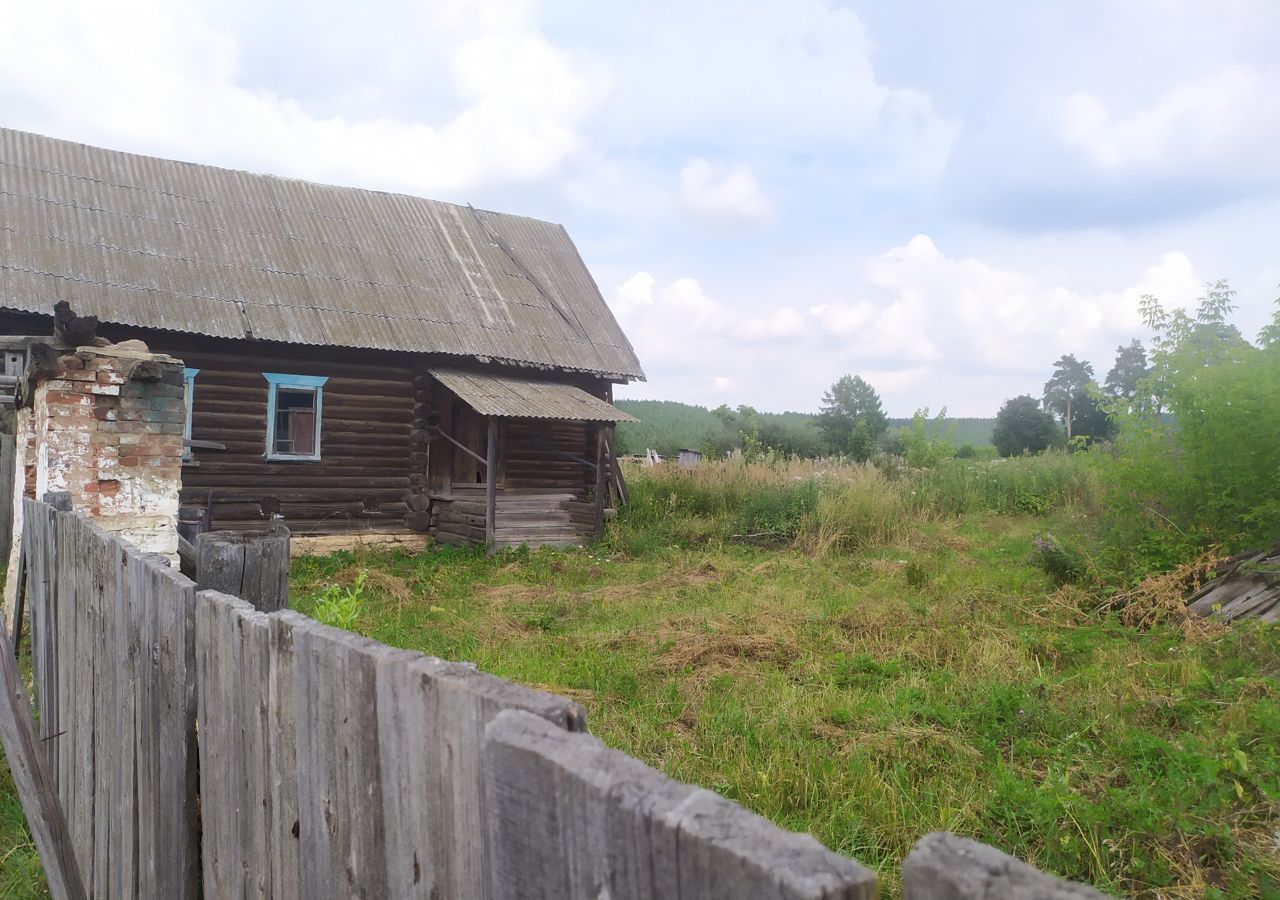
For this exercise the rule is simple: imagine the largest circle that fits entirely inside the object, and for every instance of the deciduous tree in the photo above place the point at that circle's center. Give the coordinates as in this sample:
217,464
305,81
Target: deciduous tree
852,417
1023,427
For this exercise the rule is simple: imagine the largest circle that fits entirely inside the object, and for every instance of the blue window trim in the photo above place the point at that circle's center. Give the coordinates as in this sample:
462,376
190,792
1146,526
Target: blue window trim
189,400
277,380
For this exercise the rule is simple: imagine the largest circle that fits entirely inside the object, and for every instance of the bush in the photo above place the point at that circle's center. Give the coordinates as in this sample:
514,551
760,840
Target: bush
1199,464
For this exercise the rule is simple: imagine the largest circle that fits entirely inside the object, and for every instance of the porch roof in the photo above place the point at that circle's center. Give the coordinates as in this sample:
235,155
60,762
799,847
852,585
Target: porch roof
506,396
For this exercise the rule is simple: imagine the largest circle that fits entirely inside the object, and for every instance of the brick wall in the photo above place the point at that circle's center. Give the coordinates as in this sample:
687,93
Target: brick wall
108,428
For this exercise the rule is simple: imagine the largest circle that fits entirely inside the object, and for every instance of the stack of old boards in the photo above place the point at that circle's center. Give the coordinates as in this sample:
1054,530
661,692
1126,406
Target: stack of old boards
1246,586
330,765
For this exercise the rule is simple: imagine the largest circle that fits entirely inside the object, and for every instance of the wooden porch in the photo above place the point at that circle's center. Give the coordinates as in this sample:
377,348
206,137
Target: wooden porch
515,461
539,518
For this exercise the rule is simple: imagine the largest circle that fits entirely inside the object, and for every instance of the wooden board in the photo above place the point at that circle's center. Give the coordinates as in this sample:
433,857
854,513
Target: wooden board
112,659
35,785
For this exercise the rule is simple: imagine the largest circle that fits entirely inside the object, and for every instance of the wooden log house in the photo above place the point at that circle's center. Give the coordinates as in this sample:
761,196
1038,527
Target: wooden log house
356,361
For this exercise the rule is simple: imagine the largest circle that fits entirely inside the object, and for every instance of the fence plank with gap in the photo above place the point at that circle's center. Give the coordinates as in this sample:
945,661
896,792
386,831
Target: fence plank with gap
112,667
35,786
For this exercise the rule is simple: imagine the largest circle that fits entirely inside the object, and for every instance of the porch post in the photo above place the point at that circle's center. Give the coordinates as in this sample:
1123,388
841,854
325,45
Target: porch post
491,486
602,487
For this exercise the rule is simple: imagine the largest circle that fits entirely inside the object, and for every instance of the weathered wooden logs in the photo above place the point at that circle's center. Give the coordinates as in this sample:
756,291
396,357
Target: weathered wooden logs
251,566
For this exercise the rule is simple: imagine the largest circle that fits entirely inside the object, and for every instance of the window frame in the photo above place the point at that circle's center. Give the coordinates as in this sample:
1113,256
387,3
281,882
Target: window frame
313,383
189,401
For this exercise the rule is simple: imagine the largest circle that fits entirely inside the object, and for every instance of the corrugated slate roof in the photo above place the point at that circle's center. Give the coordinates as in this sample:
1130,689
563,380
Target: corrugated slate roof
163,244
527,398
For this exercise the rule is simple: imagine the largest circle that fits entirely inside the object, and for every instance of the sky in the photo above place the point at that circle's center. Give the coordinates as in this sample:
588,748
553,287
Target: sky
942,197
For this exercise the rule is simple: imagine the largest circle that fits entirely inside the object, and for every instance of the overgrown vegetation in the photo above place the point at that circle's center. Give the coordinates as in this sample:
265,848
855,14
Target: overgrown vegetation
873,651
925,672
1196,462
824,504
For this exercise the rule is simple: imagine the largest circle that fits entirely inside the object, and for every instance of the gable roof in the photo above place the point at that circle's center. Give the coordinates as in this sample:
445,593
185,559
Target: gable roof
161,244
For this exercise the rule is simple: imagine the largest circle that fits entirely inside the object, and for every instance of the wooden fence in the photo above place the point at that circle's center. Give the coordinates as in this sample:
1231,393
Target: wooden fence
330,765
8,461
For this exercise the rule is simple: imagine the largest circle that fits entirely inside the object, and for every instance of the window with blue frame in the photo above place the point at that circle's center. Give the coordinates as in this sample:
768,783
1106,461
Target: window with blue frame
189,399
295,404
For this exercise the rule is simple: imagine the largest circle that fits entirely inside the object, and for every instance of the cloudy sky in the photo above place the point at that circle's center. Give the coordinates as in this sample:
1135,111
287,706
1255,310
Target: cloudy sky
942,197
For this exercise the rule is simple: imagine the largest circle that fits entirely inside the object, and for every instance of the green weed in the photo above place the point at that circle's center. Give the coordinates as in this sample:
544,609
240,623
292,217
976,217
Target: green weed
852,699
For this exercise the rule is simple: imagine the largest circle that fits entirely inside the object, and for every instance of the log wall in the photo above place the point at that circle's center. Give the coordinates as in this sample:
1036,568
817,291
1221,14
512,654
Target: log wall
361,480
380,467
536,454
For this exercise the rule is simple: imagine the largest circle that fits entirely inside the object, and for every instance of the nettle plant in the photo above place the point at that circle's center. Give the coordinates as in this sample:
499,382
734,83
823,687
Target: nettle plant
1197,458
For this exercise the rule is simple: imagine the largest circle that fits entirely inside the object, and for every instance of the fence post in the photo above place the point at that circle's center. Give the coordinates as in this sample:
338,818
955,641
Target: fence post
253,567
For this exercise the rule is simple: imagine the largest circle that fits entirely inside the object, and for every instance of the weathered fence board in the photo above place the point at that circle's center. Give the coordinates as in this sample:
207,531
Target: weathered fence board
373,789
942,866
113,669
36,789
8,458
571,819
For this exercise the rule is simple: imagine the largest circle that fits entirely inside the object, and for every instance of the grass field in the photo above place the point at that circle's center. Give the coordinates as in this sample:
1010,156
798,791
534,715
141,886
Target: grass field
921,675
867,657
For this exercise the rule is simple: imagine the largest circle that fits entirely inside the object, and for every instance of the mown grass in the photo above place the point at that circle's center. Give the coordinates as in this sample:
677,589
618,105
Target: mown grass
908,671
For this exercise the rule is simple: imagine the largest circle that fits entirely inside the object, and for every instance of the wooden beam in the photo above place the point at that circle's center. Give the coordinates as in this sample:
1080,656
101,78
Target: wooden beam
491,486
467,450
615,470
602,490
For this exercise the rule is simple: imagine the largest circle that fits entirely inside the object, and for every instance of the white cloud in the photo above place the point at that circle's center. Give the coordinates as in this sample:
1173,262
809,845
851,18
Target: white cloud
1223,122
165,77
722,196
979,317
677,323
782,324
784,79
925,328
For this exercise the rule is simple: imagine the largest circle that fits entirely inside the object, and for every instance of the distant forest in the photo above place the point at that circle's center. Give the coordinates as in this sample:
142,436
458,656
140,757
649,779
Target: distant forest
667,426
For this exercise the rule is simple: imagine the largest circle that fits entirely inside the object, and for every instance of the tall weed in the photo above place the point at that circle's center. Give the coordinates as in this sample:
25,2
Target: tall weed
828,505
